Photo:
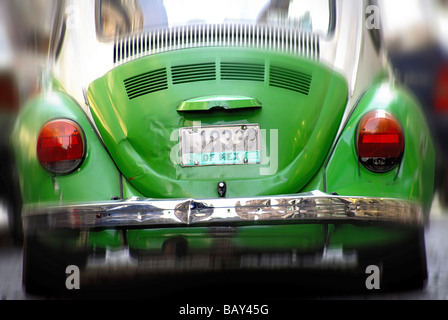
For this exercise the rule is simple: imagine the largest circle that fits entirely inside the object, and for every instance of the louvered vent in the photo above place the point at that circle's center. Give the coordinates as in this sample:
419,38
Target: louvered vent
145,83
275,38
193,73
242,71
290,80
157,80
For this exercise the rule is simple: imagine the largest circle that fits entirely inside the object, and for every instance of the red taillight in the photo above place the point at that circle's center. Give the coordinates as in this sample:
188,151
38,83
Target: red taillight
380,141
441,91
60,146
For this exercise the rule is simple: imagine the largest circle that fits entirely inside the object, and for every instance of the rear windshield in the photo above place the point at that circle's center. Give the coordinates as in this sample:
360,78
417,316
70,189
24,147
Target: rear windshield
120,17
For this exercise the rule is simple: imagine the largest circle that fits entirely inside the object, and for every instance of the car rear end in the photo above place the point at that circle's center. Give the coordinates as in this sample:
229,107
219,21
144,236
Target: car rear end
211,148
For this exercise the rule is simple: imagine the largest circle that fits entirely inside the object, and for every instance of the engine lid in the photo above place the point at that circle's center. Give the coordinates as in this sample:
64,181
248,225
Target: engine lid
142,107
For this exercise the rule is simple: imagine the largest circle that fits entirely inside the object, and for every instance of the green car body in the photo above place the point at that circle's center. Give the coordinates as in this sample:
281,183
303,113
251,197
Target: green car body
287,202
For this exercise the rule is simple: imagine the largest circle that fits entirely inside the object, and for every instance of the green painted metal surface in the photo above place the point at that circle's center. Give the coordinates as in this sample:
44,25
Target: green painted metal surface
302,104
413,179
96,179
301,238
262,237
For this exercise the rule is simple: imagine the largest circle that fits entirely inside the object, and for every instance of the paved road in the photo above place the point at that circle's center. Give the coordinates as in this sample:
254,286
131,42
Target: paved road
436,246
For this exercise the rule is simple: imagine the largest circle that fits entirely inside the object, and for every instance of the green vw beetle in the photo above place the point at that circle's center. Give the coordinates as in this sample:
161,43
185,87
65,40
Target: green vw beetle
221,136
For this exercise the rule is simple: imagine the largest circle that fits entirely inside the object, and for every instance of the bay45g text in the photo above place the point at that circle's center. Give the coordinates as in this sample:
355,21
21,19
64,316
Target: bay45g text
251,309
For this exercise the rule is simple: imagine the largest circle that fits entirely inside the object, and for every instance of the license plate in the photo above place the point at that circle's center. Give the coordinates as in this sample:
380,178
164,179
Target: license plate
220,145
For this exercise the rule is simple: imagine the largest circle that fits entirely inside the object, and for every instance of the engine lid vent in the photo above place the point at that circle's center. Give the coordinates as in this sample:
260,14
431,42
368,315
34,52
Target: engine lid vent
242,71
193,73
290,79
276,38
156,80
145,83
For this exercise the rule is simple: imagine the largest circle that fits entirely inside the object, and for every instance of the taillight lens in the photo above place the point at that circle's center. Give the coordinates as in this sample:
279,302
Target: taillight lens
441,90
60,146
380,141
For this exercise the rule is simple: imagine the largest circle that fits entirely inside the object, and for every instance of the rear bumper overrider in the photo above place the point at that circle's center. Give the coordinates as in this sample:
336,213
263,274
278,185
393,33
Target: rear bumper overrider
312,207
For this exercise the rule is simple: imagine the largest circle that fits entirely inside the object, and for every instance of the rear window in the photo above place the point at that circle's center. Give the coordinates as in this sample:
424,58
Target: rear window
120,17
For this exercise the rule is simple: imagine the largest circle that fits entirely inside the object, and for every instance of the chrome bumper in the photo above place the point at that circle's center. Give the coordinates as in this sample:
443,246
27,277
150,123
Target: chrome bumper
297,208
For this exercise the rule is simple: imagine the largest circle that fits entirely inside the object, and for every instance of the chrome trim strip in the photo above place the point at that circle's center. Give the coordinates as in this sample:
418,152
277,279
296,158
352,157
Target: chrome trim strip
297,208
274,38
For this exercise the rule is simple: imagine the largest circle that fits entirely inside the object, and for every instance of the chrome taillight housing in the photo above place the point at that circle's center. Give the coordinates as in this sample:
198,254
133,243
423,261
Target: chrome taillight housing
61,146
379,141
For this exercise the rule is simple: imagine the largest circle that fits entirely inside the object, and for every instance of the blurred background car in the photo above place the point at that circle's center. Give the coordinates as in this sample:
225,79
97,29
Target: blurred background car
417,44
25,28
